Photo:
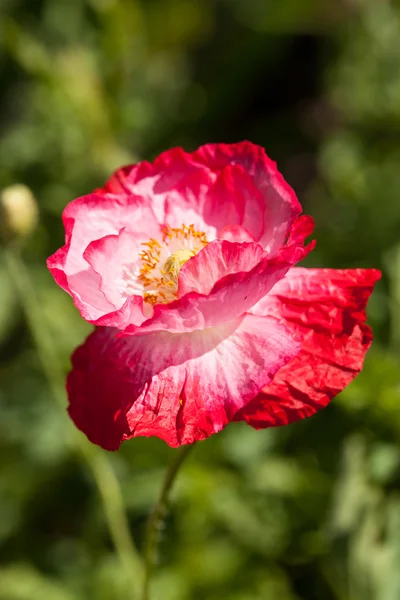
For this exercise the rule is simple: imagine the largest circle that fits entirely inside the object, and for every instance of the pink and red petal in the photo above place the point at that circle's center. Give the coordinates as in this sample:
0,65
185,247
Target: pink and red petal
223,281
234,200
181,388
216,186
235,233
157,178
94,216
214,262
281,206
56,265
87,219
326,309
167,177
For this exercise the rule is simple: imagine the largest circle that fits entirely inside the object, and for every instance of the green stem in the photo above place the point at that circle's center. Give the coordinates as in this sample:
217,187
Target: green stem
157,516
103,474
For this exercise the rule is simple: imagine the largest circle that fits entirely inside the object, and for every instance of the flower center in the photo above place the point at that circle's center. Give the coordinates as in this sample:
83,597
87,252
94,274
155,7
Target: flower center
173,264
162,261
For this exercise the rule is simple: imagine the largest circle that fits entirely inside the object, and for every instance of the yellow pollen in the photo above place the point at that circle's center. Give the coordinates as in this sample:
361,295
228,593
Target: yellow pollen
161,262
150,298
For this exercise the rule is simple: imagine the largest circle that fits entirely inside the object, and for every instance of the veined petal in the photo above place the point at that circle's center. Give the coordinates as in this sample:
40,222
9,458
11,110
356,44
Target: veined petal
181,388
326,309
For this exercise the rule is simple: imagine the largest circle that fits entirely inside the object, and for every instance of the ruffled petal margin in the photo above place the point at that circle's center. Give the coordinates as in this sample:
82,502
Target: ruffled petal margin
214,186
178,387
326,308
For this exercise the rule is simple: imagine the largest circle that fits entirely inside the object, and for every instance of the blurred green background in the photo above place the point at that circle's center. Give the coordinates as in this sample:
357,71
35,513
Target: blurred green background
307,512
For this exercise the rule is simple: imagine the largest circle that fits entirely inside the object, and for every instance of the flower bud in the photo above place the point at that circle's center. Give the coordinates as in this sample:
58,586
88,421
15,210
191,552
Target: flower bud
18,212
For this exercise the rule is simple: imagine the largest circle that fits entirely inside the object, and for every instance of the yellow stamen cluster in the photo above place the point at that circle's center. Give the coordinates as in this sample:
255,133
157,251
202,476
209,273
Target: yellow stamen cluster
161,262
185,232
150,258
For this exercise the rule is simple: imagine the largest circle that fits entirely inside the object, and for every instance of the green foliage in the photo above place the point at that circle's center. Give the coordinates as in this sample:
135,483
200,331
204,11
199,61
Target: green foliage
307,512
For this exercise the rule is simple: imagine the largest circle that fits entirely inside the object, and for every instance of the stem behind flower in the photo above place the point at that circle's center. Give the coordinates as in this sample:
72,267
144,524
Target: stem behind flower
157,516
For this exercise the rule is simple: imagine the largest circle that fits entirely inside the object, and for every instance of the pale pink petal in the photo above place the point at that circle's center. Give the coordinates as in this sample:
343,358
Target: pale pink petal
184,205
175,185
90,218
181,388
116,258
159,180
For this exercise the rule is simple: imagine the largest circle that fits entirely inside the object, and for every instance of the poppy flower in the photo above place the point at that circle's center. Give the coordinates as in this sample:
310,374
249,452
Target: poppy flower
187,267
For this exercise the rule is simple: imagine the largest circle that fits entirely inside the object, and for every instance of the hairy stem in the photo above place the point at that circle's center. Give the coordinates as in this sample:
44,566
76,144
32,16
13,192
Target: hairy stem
103,474
157,516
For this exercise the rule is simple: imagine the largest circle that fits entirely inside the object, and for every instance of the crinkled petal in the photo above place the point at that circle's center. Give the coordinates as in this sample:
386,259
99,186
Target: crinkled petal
181,388
326,309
